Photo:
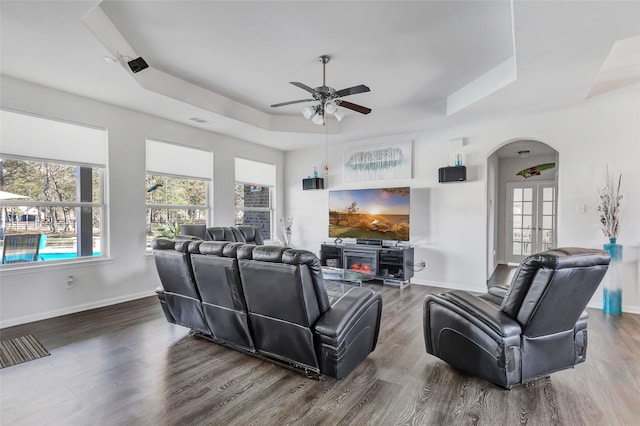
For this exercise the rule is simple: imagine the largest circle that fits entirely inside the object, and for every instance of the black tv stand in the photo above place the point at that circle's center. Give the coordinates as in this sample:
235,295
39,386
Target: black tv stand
392,265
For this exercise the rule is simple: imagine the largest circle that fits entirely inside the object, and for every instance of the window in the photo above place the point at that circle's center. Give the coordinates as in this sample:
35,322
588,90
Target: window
172,201
57,199
177,188
254,194
254,207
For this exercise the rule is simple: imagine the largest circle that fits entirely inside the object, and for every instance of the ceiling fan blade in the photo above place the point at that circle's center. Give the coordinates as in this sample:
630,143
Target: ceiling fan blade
291,102
352,91
355,107
303,87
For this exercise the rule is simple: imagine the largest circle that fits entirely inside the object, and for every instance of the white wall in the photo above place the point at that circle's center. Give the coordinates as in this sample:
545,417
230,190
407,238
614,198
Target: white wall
449,221
39,292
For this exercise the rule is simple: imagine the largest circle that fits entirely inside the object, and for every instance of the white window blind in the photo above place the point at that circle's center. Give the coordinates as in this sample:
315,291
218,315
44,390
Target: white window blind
177,160
28,136
248,171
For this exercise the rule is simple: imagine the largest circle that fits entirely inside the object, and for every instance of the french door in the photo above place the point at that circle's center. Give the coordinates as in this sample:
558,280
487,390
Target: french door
530,218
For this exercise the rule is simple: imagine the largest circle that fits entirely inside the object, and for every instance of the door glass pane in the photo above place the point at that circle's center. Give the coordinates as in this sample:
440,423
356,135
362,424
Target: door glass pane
526,207
517,208
517,235
517,248
528,194
547,222
547,208
526,222
526,248
526,235
517,221
547,194
517,194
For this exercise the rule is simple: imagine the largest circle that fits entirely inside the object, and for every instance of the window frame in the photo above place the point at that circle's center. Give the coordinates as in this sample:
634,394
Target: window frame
102,205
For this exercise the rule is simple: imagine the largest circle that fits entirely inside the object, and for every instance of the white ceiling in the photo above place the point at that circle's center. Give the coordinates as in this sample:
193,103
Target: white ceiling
226,62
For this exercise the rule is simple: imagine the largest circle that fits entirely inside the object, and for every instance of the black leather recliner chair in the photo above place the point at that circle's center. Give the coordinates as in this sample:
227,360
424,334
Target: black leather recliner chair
178,294
215,269
292,319
268,301
530,329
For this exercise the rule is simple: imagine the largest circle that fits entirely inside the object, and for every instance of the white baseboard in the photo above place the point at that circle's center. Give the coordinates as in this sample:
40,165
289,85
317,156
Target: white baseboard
74,309
629,309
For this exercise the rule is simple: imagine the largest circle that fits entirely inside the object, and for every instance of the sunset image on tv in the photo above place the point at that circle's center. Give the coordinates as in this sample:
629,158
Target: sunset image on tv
370,213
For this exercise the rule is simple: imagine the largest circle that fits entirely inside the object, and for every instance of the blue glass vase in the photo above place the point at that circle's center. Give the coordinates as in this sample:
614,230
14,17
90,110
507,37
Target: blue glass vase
612,289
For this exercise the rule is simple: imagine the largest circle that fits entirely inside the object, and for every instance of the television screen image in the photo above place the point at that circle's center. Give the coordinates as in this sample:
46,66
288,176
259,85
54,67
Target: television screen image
381,213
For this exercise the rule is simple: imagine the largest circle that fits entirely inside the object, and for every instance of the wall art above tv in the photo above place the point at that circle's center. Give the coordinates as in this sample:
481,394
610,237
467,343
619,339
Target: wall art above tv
377,162
381,213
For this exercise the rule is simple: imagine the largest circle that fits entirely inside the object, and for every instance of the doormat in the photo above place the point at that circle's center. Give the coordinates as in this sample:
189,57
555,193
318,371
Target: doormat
21,349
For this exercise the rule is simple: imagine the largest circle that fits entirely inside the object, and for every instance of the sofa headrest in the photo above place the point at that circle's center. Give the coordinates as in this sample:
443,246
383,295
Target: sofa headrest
231,249
299,257
245,251
182,246
162,244
186,238
209,247
305,257
194,246
263,253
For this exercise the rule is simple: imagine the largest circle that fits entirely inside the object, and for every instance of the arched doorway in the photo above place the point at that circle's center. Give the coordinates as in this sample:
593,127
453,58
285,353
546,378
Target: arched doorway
522,179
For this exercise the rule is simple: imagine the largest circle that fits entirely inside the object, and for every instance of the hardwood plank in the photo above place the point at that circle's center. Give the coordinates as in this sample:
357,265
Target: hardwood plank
125,364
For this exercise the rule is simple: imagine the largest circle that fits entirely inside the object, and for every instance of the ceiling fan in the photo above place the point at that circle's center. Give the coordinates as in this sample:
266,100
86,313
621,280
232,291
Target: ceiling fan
328,98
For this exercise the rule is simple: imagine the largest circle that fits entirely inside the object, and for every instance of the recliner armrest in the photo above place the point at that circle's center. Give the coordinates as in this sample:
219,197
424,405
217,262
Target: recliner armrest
498,290
479,312
338,320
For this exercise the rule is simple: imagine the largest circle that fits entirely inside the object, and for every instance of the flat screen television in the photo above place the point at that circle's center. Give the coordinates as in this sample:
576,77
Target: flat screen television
376,214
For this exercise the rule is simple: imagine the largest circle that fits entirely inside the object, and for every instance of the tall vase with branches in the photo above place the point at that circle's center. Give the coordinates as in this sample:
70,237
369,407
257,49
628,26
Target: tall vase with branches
286,224
610,206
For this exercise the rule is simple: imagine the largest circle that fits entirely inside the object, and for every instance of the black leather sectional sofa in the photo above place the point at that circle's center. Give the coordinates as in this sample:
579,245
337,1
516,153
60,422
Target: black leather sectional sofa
267,301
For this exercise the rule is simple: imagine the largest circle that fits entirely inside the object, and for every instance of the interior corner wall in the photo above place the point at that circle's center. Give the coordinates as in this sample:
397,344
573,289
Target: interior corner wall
493,201
449,221
39,292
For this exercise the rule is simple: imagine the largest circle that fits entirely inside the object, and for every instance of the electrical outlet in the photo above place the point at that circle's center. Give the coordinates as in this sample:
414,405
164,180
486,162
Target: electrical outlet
71,281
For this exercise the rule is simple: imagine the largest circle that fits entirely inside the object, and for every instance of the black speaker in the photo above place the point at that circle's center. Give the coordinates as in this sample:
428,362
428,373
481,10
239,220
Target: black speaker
368,242
313,183
137,65
452,174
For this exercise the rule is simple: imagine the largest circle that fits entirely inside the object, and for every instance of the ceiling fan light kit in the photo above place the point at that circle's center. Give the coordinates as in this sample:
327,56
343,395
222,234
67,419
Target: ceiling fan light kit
328,98
318,119
308,112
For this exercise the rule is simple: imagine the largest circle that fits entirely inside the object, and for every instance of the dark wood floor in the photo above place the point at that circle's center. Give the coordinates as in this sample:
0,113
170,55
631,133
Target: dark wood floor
125,365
